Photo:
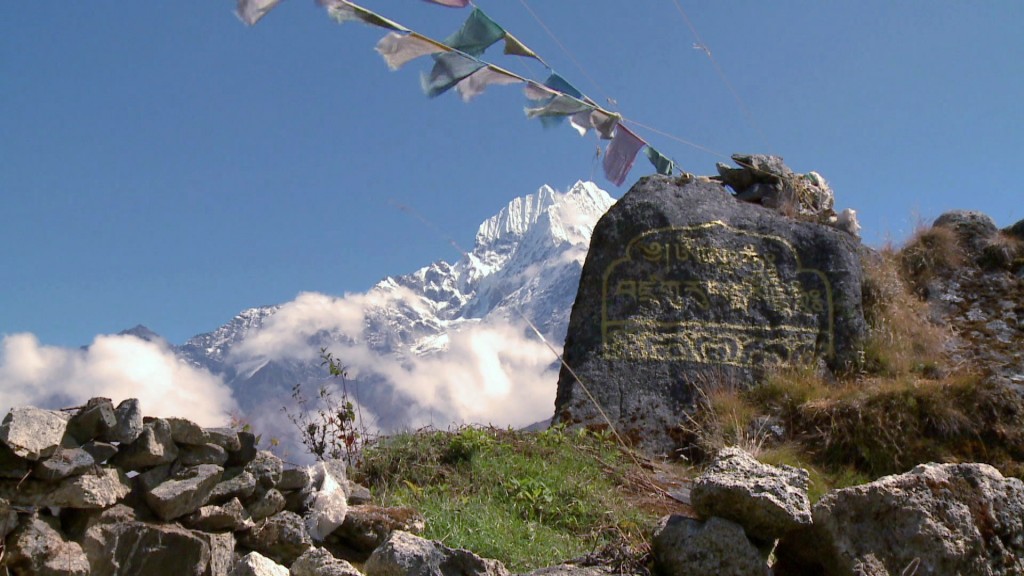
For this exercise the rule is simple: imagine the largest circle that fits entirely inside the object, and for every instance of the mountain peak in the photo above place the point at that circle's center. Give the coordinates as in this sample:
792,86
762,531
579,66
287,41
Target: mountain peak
143,333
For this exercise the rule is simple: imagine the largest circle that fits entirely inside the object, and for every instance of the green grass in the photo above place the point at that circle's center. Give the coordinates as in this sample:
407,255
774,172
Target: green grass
527,499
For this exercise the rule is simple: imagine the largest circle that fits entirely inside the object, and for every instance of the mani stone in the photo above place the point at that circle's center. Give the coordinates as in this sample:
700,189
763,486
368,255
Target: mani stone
685,286
33,433
128,415
185,492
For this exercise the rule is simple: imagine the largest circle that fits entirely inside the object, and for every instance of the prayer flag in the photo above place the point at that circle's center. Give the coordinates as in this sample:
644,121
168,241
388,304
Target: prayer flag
514,47
620,155
250,11
449,69
560,105
477,34
604,122
398,49
450,3
344,11
476,82
662,165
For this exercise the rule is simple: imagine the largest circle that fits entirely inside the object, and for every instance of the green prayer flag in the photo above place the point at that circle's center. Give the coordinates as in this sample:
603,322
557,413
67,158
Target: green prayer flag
662,165
477,34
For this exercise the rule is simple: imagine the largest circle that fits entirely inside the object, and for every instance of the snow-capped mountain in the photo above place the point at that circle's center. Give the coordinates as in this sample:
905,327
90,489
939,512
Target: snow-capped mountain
418,345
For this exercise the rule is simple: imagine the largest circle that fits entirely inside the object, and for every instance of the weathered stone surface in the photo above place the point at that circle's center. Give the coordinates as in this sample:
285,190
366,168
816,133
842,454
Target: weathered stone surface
194,455
185,493
8,519
358,494
256,564
974,228
282,537
329,502
100,451
99,490
404,554
185,431
241,486
226,438
948,518
767,501
246,450
32,433
266,468
766,180
686,546
367,526
229,516
153,447
320,562
64,463
94,419
684,286
12,465
269,504
129,423
38,547
118,545
295,479
222,553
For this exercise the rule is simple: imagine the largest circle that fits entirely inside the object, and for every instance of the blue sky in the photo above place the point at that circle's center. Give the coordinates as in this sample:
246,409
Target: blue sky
163,164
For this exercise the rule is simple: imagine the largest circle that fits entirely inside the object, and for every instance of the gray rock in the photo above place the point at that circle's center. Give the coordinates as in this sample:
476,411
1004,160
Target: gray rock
767,501
329,501
266,468
129,423
685,286
100,451
367,526
118,545
153,447
246,451
38,547
193,455
320,562
185,493
153,477
32,433
684,546
185,431
99,490
282,537
256,564
359,494
295,479
94,419
974,229
404,554
12,465
240,486
946,518
226,438
64,463
229,516
8,519
267,505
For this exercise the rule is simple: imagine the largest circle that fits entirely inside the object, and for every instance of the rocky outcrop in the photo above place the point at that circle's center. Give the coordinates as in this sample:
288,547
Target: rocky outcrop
685,286
163,497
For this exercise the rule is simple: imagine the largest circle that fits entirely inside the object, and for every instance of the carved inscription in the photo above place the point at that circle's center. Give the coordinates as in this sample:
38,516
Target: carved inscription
717,295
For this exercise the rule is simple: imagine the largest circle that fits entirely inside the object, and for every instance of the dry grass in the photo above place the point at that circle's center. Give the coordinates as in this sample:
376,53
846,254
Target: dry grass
930,252
1003,252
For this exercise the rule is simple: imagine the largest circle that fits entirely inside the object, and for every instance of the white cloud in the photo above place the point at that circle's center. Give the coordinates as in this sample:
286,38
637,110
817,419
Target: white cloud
115,367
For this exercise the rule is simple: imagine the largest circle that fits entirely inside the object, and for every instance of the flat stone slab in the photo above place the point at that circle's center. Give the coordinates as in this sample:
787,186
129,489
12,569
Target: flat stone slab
185,493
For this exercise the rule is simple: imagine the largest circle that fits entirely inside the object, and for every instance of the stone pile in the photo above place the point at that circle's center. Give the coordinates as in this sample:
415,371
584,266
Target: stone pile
935,520
103,490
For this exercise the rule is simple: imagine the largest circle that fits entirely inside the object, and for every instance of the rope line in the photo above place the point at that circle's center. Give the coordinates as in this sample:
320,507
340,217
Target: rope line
677,138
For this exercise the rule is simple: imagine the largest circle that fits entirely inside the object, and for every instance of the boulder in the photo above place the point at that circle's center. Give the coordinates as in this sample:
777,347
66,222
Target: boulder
329,502
230,516
940,518
404,554
94,419
226,438
153,447
194,455
32,433
64,463
320,562
767,501
266,468
367,526
38,547
282,537
974,229
185,431
100,490
128,415
683,287
358,494
117,544
185,493
683,546
267,505
295,479
256,564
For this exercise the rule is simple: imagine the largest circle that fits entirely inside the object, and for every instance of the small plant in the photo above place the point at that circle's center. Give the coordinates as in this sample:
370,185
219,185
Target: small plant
330,428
